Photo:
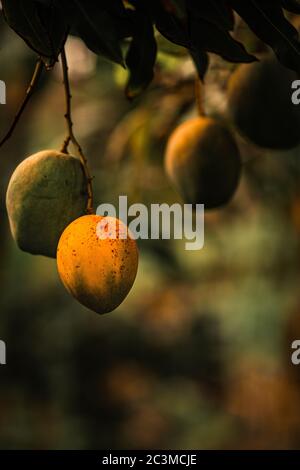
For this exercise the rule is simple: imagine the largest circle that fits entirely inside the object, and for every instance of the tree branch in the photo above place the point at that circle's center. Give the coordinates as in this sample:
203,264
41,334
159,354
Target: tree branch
199,88
71,137
29,92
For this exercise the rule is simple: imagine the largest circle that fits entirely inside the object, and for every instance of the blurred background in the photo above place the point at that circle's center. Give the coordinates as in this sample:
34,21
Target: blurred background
198,356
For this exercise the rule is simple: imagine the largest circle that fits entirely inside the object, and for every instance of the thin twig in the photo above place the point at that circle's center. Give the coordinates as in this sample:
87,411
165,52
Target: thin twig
71,137
199,97
29,92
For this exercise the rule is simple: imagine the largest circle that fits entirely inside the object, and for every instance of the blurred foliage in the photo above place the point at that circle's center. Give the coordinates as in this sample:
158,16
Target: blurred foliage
198,356
123,30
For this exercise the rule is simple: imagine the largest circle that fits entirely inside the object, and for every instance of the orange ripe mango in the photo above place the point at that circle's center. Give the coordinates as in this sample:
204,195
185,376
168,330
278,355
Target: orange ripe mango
203,162
97,261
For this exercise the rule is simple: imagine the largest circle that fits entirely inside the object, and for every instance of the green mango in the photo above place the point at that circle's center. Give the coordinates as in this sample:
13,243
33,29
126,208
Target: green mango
203,162
46,192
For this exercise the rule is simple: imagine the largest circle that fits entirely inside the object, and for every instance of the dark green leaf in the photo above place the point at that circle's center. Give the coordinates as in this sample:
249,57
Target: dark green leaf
217,12
98,28
175,7
291,5
206,36
42,25
169,24
268,22
201,62
141,56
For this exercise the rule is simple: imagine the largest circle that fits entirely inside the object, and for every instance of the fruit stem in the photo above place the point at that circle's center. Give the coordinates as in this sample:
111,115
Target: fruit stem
29,92
199,96
71,136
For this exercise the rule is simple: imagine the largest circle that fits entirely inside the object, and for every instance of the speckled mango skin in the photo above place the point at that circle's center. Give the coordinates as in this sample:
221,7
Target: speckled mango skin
99,273
45,193
203,162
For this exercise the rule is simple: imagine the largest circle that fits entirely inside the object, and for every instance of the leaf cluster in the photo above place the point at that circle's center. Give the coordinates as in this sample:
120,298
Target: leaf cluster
107,26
